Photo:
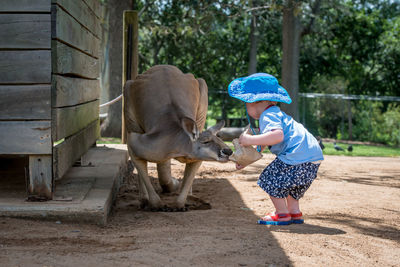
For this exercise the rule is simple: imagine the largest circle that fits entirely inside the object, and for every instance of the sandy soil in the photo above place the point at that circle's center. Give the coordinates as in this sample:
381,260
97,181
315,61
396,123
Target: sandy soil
352,214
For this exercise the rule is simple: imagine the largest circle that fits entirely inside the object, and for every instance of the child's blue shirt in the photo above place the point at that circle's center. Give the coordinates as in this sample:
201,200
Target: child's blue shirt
298,145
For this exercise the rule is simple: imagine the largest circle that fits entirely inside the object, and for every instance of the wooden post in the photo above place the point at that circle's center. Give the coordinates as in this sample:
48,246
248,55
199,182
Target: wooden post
40,180
129,55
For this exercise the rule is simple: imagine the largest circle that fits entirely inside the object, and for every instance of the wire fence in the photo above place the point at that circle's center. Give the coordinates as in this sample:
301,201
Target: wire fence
341,116
338,116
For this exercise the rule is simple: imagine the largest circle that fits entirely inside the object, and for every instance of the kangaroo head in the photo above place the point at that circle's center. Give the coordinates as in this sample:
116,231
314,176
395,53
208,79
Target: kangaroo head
206,145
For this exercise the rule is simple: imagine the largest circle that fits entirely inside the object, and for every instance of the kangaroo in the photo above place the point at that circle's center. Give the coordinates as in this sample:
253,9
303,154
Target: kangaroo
165,112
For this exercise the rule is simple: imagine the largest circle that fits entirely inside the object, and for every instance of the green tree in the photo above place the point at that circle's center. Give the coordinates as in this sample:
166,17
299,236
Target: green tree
358,41
349,47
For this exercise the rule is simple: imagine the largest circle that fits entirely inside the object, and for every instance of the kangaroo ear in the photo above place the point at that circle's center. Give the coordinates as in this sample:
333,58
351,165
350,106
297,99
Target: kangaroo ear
190,128
217,127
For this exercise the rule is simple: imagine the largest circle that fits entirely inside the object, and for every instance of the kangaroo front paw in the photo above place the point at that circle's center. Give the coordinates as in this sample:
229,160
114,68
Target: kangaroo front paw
180,205
153,204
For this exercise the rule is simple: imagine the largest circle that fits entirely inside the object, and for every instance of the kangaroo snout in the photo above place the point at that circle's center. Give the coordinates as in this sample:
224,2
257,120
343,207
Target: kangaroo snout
226,151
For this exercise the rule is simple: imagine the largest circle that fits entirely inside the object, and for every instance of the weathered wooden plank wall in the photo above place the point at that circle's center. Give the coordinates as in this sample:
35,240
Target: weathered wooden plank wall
72,62
69,91
68,30
25,77
78,144
25,6
80,9
74,118
25,137
25,102
75,44
49,87
25,88
25,66
94,6
14,33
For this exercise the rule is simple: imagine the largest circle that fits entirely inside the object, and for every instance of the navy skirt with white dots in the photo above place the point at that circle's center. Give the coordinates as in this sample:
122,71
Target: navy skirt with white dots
280,180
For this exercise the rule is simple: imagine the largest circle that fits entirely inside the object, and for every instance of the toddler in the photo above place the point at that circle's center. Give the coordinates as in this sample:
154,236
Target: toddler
299,155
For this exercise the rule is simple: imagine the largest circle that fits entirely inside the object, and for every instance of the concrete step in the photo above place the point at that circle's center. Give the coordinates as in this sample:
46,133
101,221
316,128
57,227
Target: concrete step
85,194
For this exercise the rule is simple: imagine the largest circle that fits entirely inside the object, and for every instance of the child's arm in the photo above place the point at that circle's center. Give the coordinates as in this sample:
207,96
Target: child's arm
266,139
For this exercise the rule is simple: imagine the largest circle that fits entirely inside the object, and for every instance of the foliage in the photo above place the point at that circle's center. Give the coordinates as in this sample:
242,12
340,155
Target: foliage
205,38
359,42
377,126
324,115
109,140
352,48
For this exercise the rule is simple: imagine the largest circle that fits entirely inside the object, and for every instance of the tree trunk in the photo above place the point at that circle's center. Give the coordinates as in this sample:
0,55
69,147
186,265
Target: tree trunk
253,48
253,41
112,125
291,31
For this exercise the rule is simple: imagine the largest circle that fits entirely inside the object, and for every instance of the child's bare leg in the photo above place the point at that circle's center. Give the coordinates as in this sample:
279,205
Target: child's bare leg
280,205
280,216
294,209
293,205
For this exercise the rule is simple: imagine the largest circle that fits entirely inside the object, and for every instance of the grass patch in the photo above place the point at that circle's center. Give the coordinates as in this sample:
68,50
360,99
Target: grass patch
362,150
109,140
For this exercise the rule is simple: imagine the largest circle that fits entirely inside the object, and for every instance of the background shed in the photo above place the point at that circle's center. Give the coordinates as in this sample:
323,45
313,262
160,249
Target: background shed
49,85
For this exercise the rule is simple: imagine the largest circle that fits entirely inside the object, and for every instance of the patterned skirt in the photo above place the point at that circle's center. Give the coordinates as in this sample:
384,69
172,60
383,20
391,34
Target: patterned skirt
280,180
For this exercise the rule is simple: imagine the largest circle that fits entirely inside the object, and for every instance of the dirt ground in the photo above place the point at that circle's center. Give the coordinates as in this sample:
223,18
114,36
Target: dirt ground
352,215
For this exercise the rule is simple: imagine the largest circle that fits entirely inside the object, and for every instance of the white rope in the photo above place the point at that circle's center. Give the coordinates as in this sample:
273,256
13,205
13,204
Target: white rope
112,101
351,97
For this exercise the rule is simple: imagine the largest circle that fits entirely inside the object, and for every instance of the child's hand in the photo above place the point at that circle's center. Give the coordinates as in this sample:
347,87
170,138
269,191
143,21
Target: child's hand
243,138
239,167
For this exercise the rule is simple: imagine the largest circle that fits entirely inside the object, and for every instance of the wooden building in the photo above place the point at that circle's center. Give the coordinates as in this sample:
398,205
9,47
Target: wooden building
49,85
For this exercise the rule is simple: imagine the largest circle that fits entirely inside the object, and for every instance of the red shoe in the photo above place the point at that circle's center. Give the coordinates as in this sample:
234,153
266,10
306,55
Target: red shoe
296,218
275,219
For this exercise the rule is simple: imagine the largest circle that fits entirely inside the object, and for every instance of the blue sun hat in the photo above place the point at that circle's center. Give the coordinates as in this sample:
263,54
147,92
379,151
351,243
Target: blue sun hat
258,87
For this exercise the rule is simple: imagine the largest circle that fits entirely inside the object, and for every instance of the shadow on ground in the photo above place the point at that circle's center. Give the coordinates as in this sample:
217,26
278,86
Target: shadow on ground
309,229
363,225
217,230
